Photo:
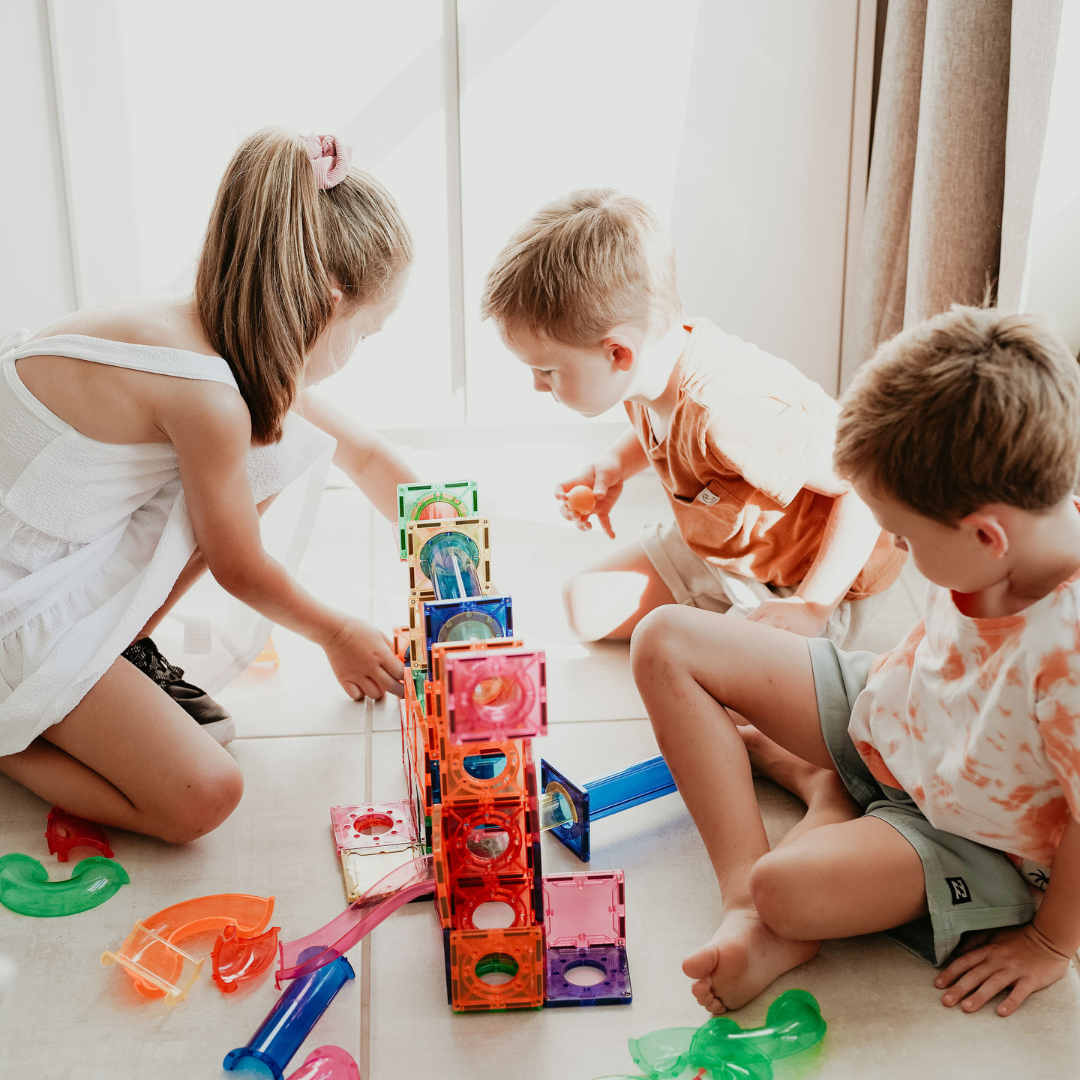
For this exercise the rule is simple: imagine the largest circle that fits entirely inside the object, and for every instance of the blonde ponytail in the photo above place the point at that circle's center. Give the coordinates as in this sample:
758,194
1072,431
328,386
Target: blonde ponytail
274,247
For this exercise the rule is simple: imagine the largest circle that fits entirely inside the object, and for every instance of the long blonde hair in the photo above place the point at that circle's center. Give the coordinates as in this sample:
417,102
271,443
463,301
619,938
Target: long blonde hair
274,247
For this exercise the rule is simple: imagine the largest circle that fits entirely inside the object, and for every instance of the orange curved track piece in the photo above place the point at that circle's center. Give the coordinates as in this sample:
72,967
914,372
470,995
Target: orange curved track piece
249,914
237,958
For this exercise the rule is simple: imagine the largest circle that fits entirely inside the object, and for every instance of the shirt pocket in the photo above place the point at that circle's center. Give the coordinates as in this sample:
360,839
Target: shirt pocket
710,518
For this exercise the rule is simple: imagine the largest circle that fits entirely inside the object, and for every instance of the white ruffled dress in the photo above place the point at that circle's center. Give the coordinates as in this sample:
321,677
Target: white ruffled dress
93,536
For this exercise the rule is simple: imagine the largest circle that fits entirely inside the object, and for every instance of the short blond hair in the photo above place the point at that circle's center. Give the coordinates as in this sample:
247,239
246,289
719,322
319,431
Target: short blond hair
968,408
582,265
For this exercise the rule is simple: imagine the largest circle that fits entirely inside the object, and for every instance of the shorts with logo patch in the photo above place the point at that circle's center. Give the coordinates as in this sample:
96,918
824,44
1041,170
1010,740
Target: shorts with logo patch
968,886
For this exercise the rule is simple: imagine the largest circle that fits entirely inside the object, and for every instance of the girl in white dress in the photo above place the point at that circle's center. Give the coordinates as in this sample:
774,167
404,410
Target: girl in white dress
139,442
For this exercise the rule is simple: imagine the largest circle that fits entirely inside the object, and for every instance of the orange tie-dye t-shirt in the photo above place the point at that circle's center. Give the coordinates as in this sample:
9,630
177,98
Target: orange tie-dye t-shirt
978,720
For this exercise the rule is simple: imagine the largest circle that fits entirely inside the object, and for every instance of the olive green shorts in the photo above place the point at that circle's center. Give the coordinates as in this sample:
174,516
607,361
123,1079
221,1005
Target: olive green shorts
968,886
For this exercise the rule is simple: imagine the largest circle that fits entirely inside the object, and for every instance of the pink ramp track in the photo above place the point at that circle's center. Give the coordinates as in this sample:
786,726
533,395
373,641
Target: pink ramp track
357,920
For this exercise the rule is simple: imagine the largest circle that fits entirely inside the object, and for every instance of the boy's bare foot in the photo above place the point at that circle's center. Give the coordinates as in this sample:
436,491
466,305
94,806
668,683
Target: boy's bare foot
742,958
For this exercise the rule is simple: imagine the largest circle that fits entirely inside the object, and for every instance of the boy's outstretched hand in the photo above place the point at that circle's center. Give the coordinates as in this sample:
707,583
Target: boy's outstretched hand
605,478
1017,956
792,613
364,662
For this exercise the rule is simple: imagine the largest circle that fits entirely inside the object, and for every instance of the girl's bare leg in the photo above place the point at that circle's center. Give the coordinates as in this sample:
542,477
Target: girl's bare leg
128,756
689,666
607,600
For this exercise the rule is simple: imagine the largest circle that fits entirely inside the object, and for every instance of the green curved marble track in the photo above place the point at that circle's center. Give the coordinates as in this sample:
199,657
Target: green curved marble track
722,1050
25,886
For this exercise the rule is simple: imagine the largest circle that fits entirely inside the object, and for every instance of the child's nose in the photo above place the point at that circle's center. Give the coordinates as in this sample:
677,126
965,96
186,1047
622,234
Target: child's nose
540,383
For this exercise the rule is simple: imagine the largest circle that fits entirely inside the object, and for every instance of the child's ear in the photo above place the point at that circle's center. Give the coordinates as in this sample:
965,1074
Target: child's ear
336,295
620,350
989,532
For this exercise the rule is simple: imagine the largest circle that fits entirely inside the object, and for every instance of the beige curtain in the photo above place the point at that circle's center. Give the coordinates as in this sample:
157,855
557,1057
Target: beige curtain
958,133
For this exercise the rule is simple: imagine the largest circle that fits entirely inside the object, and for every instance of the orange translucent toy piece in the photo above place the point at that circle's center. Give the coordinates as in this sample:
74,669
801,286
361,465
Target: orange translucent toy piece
497,969
581,499
237,958
250,915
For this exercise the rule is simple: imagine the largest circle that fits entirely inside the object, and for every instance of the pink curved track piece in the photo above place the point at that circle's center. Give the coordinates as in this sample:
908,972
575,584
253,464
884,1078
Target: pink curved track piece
357,920
327,1063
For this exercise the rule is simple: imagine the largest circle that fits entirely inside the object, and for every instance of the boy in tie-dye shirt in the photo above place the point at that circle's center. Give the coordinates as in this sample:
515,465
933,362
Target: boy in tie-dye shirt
942,780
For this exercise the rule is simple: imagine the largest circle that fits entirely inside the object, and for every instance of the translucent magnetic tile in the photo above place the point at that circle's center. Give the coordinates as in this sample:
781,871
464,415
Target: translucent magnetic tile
582,910
613,987
364,869
373,826
496,695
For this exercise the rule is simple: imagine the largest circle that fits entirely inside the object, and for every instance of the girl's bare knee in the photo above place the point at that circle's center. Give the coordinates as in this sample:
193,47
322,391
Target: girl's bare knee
206,801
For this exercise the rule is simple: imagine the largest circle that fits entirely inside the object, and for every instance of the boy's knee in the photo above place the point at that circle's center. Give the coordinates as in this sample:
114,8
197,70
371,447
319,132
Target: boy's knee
205,801
659,642
780,888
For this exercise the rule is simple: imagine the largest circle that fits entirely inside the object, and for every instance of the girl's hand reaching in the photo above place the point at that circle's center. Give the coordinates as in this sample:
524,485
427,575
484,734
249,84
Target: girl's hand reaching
364,662
605,478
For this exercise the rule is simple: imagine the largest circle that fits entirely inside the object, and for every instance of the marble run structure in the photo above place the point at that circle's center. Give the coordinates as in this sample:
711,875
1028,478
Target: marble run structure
475,698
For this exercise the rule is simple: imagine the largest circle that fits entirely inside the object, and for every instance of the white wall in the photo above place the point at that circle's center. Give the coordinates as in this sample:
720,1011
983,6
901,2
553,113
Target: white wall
157,97
731,119
760,205
1053,276
35,268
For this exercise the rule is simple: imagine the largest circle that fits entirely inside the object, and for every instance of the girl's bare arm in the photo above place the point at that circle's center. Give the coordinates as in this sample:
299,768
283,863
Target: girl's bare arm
211,433
369,460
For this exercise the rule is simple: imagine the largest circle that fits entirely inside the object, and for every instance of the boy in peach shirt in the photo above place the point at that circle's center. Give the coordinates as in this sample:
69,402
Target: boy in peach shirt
585,295
942,779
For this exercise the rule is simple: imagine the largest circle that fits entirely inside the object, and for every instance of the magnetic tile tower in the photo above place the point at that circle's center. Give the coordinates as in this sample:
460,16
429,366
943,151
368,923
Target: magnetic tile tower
475,698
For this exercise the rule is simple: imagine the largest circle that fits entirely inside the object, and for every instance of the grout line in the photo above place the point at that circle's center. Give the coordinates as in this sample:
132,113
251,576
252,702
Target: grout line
299,735
369,790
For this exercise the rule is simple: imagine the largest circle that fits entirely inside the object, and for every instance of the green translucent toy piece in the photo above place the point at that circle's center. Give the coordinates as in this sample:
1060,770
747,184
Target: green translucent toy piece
662,1054
25,886
792,1024
730,1063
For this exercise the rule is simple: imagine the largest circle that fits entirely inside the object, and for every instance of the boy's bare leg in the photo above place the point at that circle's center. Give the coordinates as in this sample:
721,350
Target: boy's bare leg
827,799
686,662
608,599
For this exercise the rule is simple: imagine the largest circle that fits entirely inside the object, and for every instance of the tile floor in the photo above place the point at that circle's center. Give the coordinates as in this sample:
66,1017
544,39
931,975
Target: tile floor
304,747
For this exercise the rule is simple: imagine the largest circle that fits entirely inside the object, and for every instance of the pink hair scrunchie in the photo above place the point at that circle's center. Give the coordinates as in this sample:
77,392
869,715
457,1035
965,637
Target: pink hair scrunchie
330,158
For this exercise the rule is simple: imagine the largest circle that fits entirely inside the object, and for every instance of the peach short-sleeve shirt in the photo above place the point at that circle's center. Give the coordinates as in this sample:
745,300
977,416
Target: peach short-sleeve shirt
746,431
978,720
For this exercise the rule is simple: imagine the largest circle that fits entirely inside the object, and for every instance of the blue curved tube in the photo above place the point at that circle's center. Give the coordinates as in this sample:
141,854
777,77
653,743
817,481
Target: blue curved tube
294,1014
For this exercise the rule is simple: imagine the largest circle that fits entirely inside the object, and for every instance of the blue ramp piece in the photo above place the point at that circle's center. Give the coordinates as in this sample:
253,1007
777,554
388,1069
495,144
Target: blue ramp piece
603,796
